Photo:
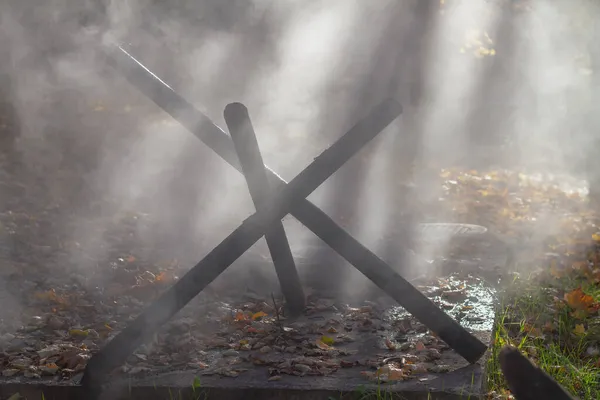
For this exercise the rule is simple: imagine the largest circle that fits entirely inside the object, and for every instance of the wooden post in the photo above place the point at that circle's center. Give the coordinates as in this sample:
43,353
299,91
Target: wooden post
246,145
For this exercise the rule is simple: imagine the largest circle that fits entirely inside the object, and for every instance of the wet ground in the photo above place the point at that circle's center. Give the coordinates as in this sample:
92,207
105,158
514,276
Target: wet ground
65,296
370,343
226,334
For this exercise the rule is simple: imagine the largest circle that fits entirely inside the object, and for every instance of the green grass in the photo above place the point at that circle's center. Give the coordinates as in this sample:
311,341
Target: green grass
533,317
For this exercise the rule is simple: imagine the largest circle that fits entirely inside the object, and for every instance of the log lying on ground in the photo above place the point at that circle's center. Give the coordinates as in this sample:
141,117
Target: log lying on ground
526,381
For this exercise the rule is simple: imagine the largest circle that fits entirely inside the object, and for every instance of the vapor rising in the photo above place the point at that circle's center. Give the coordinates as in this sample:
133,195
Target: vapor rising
307,71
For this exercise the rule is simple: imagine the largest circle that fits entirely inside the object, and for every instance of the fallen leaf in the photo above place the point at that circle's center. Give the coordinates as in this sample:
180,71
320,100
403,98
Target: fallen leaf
240,316
579,301
579,329
390,373
164,277
389,344
258,315
327,340
322,345
78,333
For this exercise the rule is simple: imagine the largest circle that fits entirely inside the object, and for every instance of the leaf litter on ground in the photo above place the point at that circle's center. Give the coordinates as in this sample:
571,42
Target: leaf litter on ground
64,322
551,302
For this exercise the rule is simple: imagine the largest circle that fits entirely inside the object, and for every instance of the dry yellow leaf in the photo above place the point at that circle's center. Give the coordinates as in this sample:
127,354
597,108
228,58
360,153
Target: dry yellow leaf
327,340
579,329
322,345
78,332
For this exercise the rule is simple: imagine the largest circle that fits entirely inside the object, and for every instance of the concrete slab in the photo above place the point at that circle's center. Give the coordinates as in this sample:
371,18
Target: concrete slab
462,383
345,371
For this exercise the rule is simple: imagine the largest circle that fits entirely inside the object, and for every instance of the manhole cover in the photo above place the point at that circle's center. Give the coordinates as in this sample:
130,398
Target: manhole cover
444,248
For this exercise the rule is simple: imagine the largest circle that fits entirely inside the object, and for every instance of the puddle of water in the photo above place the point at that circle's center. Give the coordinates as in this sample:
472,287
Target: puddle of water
474,309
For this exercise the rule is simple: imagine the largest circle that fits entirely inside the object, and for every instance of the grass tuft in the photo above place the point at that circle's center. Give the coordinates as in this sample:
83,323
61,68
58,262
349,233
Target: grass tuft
535,317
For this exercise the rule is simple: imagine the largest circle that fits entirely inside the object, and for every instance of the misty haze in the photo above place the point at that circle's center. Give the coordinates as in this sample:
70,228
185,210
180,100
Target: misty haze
487,177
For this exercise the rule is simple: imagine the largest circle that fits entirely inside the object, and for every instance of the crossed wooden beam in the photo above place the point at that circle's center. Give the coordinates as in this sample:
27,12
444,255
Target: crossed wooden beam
274,199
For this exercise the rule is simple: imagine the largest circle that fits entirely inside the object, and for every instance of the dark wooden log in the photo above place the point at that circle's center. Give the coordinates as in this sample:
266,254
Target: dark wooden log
526,381
246,145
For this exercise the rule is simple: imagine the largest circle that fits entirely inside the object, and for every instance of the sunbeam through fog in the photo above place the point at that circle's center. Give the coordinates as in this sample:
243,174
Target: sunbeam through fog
493,93
307,71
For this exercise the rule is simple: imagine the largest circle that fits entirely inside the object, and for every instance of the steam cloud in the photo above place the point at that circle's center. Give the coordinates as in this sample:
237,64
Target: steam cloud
307,70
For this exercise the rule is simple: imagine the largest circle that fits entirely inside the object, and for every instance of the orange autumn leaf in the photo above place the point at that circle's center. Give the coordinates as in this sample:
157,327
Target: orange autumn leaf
532,331
164,277
258,315
396,374
579,301
322,345
240,316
